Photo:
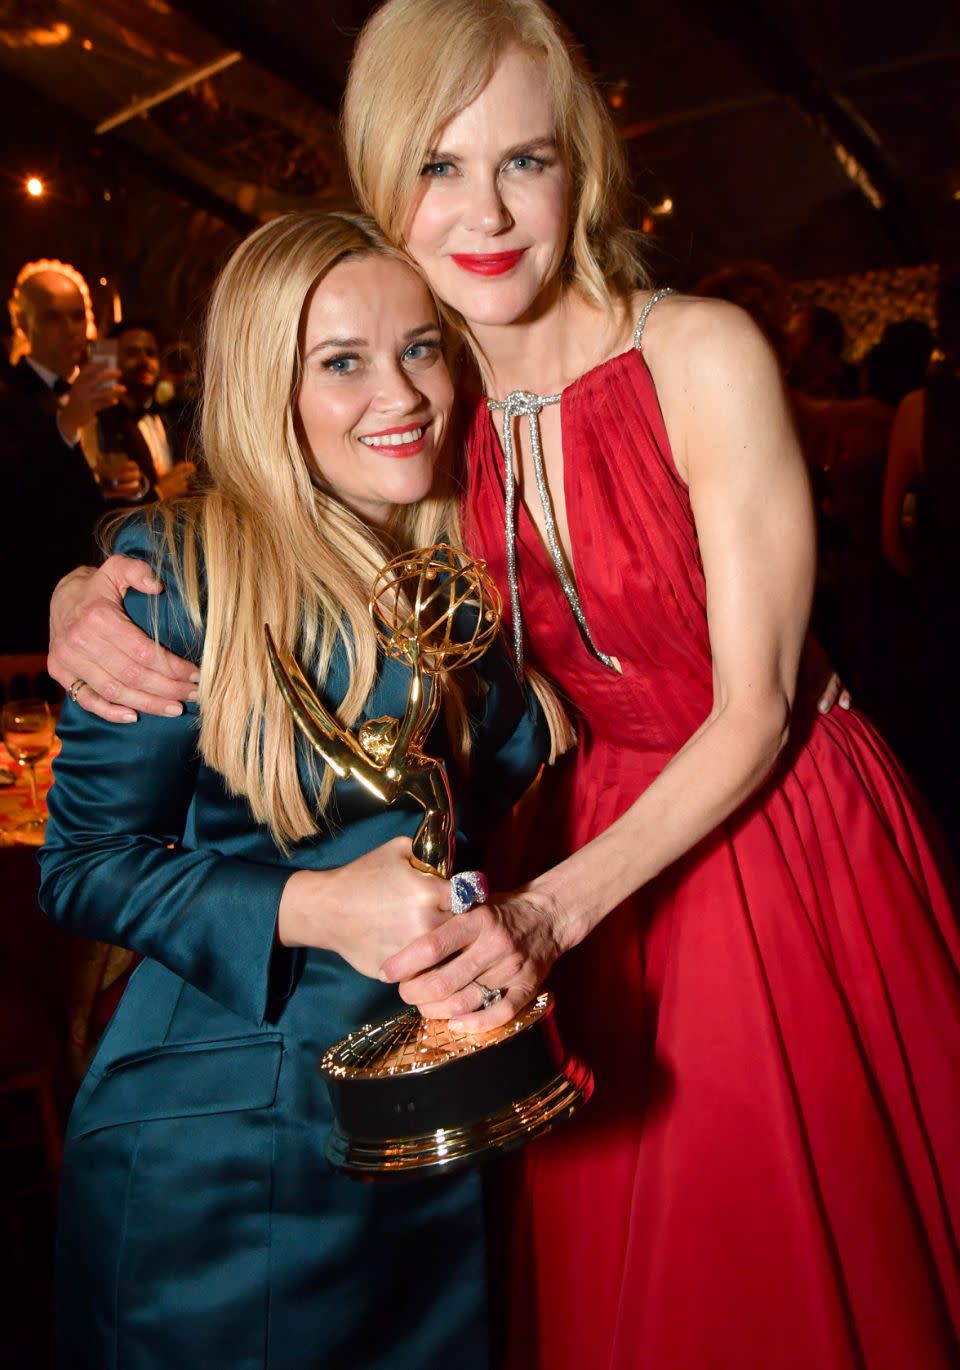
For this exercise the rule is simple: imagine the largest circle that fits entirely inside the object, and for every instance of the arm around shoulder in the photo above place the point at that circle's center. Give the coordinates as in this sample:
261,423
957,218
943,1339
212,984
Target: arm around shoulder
92,639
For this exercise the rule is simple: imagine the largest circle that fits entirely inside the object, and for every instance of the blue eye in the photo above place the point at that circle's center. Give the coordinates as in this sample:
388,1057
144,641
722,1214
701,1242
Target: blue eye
525,161
438,170
341,366
422,351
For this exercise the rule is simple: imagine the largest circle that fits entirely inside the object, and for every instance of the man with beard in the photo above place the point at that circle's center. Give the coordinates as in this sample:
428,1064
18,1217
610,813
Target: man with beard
140,427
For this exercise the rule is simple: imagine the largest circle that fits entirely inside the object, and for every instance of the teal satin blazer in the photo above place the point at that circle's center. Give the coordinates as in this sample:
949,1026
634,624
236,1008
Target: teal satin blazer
201,1224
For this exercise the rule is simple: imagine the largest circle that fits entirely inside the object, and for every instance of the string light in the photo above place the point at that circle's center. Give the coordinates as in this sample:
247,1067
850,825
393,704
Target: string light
34,186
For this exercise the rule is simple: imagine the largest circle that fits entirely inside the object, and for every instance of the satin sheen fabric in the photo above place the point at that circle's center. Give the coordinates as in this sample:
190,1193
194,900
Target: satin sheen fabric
768,1176
201,1224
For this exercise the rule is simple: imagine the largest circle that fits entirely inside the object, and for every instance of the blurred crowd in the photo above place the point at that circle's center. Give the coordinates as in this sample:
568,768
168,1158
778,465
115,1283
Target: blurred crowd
882,443
89,424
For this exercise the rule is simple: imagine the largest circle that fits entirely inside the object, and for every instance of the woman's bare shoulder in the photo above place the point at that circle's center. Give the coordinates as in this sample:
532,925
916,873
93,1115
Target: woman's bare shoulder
684,327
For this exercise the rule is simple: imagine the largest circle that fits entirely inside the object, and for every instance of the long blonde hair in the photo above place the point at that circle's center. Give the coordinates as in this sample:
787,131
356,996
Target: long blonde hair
445,51
276,547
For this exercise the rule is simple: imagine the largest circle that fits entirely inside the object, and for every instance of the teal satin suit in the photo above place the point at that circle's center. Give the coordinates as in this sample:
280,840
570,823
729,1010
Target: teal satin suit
201,1225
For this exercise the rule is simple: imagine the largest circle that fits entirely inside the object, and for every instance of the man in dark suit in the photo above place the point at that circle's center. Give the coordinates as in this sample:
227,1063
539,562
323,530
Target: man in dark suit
140,427
51,497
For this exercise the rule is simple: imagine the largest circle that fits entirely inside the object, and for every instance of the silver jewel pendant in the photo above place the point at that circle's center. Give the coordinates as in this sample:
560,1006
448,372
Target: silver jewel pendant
518,404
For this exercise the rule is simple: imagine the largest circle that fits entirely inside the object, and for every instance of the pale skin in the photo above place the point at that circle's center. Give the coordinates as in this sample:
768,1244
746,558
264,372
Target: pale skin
491,190
503,188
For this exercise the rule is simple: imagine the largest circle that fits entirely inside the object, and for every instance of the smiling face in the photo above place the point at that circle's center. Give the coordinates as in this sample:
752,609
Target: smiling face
139,361
490,224
375,394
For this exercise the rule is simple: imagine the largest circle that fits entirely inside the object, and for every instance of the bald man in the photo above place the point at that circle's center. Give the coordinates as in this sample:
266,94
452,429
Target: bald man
51,498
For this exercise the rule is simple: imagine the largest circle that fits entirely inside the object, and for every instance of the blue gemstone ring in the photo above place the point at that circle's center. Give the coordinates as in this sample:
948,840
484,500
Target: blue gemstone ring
466,889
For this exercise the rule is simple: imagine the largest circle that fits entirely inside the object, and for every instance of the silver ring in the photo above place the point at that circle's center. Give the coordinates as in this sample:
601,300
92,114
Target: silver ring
490,996
466,889
75,689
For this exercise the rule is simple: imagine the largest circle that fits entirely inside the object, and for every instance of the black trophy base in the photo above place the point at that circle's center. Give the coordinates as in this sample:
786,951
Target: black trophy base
410,1095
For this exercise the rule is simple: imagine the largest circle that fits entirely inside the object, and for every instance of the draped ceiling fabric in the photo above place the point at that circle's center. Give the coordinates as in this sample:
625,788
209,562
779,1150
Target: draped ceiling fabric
820,135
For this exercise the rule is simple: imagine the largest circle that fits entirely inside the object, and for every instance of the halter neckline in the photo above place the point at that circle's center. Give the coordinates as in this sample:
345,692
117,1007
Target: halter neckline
525,403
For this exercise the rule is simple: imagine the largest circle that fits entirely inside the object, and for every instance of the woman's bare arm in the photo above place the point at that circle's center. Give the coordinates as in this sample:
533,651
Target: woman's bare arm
904,468
733,439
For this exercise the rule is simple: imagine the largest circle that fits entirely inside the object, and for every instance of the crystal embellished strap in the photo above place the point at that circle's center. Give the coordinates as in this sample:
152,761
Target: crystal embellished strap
517,404
655,298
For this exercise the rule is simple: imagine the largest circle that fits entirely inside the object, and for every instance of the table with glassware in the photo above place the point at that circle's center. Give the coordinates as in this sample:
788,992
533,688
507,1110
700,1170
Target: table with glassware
79,970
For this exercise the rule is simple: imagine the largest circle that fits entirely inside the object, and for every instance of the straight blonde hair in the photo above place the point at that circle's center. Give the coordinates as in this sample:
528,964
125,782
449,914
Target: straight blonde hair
445,51
275,546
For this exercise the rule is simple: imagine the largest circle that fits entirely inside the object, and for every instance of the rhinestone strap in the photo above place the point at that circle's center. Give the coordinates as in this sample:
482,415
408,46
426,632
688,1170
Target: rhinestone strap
655,298
517,404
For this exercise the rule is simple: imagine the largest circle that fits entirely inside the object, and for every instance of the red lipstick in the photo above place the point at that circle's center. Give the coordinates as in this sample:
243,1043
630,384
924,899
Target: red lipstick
488,263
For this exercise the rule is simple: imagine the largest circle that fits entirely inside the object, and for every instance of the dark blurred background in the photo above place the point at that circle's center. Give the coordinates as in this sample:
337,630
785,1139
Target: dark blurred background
822,137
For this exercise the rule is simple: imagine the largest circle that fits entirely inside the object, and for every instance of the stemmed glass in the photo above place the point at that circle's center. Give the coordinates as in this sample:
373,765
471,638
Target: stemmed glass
28,736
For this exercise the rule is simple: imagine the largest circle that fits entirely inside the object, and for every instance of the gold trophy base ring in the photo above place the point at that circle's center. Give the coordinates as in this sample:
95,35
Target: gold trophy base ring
409,1095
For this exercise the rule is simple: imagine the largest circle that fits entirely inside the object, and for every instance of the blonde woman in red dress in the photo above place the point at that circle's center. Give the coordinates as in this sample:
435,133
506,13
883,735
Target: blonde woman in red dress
750,938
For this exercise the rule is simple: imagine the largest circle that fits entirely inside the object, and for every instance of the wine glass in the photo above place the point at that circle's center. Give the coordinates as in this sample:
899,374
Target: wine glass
113,466
28,736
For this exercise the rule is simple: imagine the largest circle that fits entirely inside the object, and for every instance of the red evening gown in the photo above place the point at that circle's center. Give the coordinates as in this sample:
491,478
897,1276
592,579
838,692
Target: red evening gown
768,1176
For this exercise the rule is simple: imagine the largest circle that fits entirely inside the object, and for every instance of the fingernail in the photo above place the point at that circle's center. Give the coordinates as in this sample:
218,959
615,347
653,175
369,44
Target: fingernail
823,706
194,677
151,582
455,1025
384,977
128,718
173,710
193,696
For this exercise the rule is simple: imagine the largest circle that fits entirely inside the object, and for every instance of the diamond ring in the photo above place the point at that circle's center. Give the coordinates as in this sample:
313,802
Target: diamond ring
490,996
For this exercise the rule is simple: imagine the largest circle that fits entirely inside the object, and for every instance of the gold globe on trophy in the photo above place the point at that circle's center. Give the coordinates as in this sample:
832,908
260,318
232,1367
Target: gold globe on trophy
409,1093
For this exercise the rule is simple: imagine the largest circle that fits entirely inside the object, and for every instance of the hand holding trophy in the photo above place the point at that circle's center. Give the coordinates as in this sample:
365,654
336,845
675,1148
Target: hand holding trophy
408,1093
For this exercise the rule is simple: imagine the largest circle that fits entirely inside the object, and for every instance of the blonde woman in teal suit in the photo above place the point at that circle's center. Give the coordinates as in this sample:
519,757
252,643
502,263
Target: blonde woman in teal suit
201,1224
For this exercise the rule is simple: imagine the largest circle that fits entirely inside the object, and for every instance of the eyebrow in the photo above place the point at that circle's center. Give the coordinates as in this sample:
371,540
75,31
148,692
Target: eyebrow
413,333
542,143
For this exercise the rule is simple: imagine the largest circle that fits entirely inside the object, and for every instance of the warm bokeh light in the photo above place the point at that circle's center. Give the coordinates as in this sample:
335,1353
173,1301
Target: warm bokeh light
87,45
618,93
35,187
664,207
103,280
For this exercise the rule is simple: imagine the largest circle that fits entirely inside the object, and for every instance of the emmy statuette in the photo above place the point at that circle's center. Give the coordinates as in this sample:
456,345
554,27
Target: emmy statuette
408,1093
